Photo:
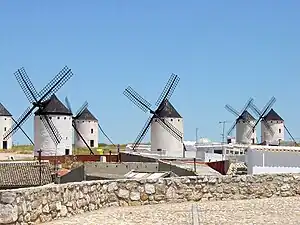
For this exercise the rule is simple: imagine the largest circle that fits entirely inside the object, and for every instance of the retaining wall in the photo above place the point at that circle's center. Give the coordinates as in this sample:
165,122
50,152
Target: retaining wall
40,204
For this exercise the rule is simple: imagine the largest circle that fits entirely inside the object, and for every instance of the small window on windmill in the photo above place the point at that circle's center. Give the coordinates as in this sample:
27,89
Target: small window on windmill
50,117
65,118
171,120
58,117
155,120
178,120
92,131
5,118
4,128
279,131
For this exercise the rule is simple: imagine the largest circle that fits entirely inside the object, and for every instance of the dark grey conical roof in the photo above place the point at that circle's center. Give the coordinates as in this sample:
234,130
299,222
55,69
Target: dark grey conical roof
4,111
272,115
246,116
86,115
167,110
54,106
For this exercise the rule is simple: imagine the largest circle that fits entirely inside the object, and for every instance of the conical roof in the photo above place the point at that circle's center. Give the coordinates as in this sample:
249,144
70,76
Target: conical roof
246,116
167,110
272,115
54,106
4,111
86,115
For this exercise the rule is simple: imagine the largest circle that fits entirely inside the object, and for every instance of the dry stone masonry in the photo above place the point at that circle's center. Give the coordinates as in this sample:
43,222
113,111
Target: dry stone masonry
41,204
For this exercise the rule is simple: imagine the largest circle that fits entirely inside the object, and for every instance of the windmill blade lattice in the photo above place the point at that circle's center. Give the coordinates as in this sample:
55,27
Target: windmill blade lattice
26,135
142,133
138,100
288,131
169,89
109,139
51,129
26,85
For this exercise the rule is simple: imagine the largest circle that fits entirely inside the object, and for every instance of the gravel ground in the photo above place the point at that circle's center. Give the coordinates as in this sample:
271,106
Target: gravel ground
256,211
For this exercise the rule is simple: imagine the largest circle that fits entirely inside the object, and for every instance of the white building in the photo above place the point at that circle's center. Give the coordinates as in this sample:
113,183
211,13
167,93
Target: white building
5,123
243,129
276,123
273,159
211,152
87,125
161,139
61,117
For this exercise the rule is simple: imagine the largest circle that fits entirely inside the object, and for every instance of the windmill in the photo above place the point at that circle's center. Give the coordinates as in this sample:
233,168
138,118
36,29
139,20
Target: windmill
166,124
86,127
80,110
243,123
272,126
39,101
261,116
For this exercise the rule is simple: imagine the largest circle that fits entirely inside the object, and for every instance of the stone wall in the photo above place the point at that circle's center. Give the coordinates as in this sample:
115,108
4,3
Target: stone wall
40,204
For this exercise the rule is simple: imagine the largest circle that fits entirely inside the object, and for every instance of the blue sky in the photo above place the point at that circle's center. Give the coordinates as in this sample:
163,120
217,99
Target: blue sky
223,51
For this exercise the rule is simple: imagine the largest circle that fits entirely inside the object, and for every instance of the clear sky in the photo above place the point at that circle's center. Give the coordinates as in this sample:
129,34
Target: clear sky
223,51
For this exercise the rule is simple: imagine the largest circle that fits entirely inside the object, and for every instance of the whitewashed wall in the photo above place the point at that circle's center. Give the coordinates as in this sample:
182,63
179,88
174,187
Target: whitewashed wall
43,141
274,169
5,124
242,130
275,126
270,160
84,127
162,139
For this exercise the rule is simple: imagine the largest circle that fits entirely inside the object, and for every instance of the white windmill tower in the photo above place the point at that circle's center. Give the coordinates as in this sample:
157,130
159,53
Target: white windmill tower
165,122
161,139
87,125
244,124
5,124
272,129
61,117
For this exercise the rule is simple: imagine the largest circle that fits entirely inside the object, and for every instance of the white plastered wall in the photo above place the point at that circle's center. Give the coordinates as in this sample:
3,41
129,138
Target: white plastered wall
242,131
162,139
89,131
5,124
43,141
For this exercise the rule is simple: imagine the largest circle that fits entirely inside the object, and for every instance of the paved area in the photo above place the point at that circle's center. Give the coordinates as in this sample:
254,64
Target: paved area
257,211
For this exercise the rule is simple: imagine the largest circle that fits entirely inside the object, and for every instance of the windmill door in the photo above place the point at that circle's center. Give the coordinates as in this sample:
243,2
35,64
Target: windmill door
92,144
4,145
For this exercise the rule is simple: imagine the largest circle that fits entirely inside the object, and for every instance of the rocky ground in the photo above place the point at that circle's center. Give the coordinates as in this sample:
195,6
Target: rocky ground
255,211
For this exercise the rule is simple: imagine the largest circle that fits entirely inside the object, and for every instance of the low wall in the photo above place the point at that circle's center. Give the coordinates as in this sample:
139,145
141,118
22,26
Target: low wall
40,204
127,157
80,158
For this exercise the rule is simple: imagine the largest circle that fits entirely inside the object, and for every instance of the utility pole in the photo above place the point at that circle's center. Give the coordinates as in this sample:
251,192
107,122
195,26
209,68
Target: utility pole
223,135
223,129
